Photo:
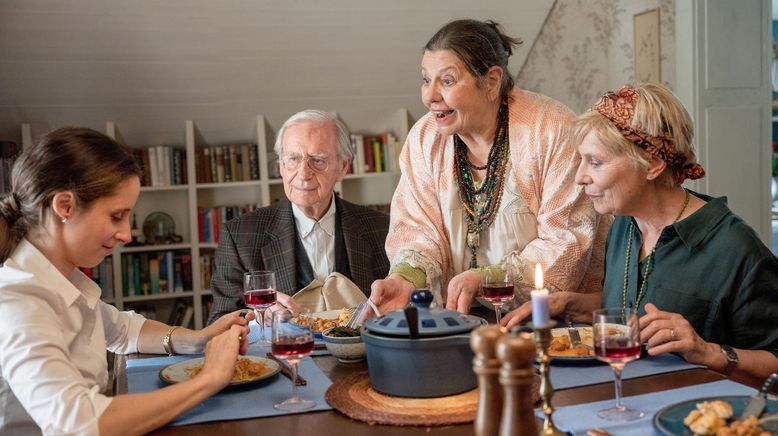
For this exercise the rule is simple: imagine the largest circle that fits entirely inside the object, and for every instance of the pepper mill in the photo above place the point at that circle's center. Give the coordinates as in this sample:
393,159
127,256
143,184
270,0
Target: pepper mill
483,342
517,352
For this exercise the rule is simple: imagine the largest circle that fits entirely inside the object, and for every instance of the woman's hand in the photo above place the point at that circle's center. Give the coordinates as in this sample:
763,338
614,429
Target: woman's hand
391,293
462,289
666,332
221,352
570,306
557,304
238,318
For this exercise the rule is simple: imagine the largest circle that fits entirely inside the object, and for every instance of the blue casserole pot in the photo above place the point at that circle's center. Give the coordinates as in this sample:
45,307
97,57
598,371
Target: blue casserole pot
436,364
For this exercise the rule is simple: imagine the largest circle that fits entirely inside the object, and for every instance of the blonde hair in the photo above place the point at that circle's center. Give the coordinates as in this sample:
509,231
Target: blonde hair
657,110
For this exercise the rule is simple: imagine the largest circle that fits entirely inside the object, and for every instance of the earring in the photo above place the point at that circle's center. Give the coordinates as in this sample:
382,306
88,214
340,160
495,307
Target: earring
64,220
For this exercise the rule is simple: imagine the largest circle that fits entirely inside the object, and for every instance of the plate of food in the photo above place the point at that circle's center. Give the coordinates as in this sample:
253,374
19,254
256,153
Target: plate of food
321,321
709,415
248,369
561,349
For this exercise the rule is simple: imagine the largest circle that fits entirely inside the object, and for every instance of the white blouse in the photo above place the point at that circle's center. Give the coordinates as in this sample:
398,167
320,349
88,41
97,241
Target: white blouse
54,332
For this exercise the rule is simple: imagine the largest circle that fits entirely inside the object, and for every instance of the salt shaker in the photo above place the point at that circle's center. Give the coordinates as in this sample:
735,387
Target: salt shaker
483,342
516,353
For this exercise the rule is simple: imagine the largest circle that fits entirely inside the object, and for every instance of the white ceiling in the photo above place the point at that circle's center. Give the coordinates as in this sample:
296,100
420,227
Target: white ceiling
150,65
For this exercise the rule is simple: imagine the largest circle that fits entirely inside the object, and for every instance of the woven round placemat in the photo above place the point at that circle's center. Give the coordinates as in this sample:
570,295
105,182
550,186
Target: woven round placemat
354,397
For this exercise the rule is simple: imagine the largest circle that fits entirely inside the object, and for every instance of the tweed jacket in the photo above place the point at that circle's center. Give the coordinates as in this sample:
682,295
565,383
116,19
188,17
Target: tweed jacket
265,239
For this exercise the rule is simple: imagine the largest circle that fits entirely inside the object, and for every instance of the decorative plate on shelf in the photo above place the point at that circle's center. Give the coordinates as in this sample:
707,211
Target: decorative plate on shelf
159,228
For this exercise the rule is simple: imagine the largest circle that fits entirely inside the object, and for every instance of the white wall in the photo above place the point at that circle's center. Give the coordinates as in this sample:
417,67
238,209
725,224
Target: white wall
586,47
150,65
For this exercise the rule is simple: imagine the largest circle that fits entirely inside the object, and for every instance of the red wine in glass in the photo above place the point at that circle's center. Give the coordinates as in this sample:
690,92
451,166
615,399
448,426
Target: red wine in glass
290,349
617,351
259,298
259,294
292,339
617,342
498,291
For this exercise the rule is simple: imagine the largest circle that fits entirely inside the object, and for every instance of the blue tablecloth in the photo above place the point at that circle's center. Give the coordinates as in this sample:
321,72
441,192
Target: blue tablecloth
579,418
572,374
239,402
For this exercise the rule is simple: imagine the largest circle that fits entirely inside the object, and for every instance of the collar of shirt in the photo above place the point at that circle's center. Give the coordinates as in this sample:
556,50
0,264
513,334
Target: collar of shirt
28,258
696,227
305,225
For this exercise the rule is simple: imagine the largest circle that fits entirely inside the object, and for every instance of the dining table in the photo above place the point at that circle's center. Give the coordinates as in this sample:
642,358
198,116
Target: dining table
332,422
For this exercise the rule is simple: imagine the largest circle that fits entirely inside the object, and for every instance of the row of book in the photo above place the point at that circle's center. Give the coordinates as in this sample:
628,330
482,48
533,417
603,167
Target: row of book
156,272
375,153
210,219
102,275
227,163
9,151
162,165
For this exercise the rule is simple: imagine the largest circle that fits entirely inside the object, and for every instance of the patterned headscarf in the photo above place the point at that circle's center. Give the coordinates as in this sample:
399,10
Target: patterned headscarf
619,108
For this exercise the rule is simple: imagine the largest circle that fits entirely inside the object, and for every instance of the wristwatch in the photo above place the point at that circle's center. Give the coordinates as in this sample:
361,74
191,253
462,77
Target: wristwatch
731,357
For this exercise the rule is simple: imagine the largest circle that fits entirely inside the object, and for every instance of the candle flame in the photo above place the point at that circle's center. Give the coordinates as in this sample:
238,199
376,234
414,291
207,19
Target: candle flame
538,276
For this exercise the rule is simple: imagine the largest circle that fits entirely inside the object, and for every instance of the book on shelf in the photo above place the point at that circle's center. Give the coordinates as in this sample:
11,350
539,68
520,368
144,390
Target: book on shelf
188,315
227,163
157,272
102,275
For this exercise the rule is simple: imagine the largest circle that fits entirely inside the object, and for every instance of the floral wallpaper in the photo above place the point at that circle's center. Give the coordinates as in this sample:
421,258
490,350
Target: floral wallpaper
586,48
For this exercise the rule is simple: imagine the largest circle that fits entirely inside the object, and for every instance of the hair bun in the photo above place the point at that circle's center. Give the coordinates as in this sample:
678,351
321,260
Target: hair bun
9,206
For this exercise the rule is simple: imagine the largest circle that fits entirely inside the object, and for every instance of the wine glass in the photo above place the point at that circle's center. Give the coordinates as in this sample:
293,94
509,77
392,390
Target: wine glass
616,342
497,285
259,293
292,339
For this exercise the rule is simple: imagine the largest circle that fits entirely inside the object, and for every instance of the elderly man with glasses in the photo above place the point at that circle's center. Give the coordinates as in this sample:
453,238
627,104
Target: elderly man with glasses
310,233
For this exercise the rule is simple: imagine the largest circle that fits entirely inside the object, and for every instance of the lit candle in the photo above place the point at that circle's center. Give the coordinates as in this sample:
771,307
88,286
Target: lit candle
539,296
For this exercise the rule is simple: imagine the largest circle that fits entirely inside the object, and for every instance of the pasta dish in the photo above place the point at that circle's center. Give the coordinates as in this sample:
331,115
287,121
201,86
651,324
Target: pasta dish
245,369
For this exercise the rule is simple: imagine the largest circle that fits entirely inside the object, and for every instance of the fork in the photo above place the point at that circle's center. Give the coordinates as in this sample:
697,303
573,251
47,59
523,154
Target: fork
359,311
575,337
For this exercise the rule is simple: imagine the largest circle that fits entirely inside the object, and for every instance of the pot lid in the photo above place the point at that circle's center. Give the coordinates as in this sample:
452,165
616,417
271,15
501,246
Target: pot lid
432,321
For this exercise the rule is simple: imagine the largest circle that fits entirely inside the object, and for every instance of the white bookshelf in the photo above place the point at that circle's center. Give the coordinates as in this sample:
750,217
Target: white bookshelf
181,202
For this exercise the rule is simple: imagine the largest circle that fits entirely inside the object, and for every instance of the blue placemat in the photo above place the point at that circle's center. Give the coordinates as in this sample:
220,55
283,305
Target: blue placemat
247,401
579,418
570,375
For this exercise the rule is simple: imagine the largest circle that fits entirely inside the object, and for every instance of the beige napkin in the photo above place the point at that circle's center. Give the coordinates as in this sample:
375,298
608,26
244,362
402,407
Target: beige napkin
336,292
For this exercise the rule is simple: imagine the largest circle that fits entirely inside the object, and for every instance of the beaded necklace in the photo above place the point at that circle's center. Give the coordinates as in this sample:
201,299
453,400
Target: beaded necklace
481,204
647,269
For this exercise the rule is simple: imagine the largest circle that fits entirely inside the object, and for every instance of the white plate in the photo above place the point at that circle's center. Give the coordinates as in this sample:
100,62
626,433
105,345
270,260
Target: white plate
586,338
176,373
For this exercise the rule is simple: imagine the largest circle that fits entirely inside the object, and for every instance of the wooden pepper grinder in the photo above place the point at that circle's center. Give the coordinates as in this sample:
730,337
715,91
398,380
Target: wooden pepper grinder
483,342
516,352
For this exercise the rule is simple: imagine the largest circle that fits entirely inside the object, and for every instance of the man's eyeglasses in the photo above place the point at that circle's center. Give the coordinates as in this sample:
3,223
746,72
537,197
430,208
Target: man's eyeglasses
292,162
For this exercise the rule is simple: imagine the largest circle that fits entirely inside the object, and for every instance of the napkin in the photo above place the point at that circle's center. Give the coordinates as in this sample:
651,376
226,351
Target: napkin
582,417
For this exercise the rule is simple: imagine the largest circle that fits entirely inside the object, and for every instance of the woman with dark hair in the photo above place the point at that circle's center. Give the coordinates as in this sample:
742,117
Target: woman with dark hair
486,174
71,198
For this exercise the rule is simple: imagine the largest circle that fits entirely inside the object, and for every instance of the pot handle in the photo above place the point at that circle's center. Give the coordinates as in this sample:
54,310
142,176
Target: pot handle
412,316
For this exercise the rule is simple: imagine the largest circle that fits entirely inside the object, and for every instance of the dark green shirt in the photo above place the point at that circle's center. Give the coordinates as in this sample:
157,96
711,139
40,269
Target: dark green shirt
709,267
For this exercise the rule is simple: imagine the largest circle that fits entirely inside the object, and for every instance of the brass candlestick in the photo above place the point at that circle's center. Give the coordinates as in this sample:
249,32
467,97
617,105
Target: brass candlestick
542,340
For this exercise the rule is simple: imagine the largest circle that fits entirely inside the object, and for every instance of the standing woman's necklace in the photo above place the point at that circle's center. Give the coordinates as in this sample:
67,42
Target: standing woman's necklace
649,258
481,204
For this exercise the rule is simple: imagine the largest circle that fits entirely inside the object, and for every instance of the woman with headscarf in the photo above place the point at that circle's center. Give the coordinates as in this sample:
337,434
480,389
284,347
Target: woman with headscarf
705,285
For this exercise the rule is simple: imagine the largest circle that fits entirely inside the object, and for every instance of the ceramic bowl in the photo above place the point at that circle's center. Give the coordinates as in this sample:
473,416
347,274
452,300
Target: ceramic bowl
345,349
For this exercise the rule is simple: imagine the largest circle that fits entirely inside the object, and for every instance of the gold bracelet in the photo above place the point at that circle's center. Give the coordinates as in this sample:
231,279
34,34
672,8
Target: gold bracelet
166,342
